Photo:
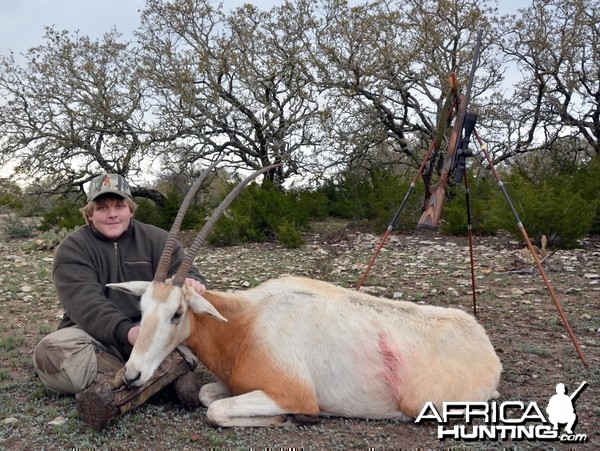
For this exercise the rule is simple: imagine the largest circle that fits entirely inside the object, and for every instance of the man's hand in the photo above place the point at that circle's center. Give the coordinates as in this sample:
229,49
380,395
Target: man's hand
133,334
198,287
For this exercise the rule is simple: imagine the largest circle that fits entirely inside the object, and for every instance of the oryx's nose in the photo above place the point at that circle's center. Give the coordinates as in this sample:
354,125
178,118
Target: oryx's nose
131,377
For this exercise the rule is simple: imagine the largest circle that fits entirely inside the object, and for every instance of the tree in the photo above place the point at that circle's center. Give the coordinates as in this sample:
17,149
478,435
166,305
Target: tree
554,44
385,66
74,109
10,194
231,85
317,83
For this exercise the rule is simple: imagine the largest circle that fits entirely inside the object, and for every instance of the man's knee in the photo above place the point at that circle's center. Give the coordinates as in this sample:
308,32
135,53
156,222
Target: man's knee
44,358
63,366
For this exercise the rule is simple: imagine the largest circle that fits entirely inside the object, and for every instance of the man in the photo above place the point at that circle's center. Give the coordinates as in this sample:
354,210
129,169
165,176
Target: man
100,326
560,409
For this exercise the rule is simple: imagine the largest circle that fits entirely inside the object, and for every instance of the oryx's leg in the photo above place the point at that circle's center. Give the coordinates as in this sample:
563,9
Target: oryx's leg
212,392
254,409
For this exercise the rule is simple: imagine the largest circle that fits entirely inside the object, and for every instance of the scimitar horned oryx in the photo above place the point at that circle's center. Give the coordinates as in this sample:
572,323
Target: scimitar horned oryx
294,348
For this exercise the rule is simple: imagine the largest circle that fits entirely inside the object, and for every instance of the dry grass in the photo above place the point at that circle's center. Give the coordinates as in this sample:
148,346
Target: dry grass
514,307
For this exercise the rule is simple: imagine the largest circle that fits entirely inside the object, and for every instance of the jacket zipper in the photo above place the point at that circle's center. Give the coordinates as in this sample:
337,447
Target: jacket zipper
117,257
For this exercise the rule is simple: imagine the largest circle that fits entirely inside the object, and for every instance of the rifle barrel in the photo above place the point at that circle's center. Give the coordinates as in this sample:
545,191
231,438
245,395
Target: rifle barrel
576,392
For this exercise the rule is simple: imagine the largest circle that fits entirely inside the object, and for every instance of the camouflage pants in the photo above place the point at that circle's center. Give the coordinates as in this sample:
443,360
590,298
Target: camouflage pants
65,360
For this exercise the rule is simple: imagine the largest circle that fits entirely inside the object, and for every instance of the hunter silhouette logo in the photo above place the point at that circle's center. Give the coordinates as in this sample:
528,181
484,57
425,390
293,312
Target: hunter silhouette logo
508,420
560,408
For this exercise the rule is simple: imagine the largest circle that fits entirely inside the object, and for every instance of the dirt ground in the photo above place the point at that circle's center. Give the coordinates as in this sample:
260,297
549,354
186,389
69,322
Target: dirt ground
513,305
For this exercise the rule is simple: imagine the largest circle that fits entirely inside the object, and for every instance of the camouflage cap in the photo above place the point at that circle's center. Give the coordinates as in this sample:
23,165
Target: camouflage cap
108,183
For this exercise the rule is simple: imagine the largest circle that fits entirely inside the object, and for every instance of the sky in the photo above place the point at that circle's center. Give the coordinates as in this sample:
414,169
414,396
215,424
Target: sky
23,22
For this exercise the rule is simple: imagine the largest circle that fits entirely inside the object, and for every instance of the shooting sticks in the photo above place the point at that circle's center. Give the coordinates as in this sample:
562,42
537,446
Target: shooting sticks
455,157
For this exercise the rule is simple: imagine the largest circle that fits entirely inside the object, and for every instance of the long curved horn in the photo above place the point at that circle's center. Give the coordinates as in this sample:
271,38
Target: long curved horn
179,278
165,259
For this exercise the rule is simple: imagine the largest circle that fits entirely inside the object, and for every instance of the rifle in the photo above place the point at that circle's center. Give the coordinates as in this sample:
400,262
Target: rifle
432,213
576,392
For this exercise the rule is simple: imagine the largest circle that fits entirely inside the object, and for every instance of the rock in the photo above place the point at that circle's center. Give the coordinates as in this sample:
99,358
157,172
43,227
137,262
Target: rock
452,291
10,421
58,421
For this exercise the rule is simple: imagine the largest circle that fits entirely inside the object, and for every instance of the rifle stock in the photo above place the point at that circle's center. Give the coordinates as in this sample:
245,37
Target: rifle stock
432,213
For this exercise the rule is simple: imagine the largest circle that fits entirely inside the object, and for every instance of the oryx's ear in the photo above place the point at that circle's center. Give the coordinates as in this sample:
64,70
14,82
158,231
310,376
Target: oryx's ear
201,305
136,287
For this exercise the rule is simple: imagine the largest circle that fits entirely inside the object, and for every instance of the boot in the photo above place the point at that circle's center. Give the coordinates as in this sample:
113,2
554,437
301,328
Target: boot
107,363
108,398
187,387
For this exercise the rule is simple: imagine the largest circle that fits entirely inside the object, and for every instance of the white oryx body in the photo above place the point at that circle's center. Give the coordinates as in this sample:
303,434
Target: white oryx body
293,348
300,346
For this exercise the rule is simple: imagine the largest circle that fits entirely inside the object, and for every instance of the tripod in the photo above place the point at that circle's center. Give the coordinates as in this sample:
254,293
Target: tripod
459,173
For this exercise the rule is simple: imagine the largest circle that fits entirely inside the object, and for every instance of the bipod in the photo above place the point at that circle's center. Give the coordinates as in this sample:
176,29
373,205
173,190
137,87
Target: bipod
460,173
470,238
537,260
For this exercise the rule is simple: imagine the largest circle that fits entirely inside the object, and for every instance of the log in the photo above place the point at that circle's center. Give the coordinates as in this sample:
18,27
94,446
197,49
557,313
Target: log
106,399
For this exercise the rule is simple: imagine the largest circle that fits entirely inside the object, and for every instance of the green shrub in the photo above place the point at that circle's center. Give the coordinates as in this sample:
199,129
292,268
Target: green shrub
10,195
229,231
14,227
147,211
151,213
555,207
374,196
550,197
311,205
588,180
289,236
63,214
485,200
259,212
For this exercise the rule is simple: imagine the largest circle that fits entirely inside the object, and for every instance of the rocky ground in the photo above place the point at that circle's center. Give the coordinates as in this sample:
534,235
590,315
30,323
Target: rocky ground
513,305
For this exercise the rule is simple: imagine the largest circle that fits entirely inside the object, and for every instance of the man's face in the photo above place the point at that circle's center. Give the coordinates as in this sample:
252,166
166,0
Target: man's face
111,217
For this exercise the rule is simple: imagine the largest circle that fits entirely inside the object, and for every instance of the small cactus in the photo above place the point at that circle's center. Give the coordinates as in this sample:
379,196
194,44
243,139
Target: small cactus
540,251
48,240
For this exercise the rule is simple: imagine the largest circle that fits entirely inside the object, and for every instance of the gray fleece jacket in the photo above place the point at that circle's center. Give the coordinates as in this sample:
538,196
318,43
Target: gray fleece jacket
86,261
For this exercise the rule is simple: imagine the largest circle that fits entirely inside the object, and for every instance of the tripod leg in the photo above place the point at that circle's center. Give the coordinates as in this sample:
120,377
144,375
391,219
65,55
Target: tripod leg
533,253
470,235
443,122
396,216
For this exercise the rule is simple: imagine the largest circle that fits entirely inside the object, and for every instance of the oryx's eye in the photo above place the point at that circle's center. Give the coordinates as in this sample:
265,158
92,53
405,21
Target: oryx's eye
177,315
